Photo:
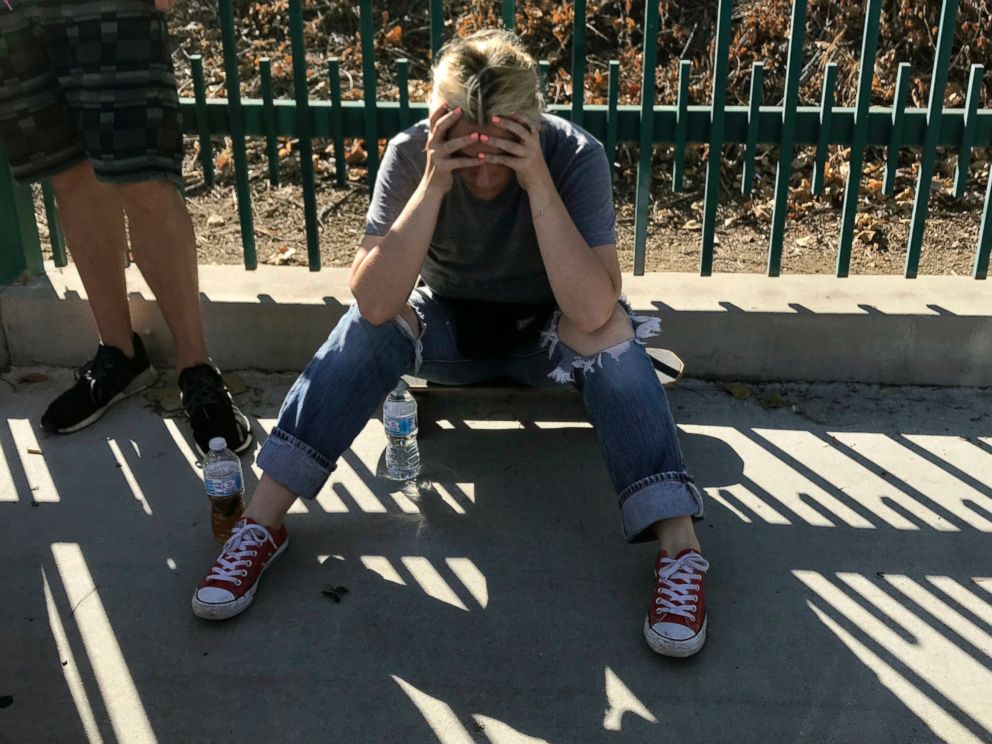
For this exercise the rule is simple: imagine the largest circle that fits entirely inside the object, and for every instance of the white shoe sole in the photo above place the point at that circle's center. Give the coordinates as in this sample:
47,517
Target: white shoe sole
142,382
669,647
224,610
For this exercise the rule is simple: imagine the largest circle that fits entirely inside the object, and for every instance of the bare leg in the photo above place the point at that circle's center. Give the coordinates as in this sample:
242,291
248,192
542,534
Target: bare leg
269,503
676,534
164,248
93,222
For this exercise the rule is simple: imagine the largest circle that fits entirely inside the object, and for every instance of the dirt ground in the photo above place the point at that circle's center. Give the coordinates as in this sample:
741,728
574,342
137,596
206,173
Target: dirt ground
673,242
674,231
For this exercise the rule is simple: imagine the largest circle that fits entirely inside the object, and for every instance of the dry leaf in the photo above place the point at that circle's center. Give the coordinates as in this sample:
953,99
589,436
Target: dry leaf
738,390
356,155
281,256
693,225
395,35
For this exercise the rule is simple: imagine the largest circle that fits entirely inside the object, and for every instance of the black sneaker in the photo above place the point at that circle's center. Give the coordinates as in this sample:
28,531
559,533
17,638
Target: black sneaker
109,378
211,410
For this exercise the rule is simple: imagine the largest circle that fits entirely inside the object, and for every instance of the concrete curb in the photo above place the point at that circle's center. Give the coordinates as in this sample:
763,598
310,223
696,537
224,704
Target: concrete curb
928,331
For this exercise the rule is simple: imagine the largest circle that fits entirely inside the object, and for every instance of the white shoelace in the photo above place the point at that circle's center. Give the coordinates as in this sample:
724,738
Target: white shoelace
678,584
239,548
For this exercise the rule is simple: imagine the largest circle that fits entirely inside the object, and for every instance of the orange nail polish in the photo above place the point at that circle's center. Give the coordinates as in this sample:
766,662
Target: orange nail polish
495,120
475,135
484,137
482,156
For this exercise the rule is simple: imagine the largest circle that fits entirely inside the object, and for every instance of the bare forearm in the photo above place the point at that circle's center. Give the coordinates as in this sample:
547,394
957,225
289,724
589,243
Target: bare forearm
382,282
582,285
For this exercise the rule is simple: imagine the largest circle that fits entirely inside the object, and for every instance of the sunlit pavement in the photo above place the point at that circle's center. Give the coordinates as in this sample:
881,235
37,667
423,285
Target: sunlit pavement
850,593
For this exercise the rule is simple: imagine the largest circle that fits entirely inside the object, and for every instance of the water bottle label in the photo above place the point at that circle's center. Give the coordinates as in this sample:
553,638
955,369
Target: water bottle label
401,426
227,486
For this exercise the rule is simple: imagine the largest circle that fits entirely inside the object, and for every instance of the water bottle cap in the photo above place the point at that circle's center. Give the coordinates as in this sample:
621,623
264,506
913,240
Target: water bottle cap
218,444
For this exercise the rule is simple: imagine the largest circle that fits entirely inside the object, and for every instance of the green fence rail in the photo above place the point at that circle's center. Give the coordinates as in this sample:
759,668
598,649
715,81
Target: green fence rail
680,124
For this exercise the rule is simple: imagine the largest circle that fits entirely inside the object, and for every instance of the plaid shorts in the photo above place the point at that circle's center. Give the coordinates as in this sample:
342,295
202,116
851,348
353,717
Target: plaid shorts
88,79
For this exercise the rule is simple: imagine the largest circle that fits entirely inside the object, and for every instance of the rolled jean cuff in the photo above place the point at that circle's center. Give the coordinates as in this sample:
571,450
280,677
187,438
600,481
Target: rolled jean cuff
654,498
294,464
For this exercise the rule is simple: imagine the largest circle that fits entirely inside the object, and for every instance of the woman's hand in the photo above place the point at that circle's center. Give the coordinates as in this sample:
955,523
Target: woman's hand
443,158
524,156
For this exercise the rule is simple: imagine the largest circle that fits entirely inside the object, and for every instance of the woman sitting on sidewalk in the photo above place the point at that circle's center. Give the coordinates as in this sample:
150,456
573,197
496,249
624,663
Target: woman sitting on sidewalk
507,216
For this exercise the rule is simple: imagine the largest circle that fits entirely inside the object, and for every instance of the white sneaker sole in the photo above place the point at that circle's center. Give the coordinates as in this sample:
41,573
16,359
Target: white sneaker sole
224,610
249,438
669,647
142,382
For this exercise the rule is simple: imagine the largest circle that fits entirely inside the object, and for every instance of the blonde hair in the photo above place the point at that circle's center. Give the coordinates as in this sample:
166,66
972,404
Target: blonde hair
488,72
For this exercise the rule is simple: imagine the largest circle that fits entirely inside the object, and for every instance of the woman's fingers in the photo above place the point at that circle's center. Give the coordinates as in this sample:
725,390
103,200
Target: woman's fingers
466,162
491,158
436,114
454,145
446,122
514,148
519,128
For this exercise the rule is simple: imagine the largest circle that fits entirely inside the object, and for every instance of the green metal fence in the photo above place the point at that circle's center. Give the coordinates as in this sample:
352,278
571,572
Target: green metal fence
787,126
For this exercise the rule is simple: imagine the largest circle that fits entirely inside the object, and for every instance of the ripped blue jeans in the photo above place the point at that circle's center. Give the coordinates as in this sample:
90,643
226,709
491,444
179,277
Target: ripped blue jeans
360,363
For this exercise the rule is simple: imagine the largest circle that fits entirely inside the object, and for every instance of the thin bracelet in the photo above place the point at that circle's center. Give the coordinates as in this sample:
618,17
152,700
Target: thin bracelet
540,214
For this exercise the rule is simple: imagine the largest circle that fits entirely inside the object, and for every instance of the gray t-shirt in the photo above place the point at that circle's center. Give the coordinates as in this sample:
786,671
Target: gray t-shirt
487,249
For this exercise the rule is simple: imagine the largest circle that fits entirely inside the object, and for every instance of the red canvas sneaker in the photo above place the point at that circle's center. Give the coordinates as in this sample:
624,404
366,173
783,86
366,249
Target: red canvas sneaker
232,582
676,621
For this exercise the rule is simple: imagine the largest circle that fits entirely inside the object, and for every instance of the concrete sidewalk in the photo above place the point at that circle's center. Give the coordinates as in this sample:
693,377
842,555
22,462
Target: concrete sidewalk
850,591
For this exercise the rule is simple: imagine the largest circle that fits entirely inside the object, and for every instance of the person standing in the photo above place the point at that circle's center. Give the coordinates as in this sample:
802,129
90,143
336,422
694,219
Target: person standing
88,100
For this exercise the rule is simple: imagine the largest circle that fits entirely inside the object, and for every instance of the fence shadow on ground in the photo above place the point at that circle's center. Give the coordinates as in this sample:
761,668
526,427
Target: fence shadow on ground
497,601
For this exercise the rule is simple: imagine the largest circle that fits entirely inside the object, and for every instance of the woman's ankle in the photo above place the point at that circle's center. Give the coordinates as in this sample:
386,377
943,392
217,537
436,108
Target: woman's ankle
677,534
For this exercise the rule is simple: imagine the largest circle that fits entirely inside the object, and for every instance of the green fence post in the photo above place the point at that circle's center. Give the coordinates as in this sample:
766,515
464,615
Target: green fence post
369,91
55,236
509,15
981,268
202,123
611,114
681,124
337,131
753,117
852,188
783,172
543,76
436,10
718,120
303,132
826,109
237,121
649,57
403,82
578,61
968,133
20,248
895,136
938,84
269,120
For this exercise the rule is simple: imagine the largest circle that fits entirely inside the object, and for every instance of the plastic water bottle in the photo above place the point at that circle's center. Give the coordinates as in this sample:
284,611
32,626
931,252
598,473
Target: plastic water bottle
225,484
399,418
